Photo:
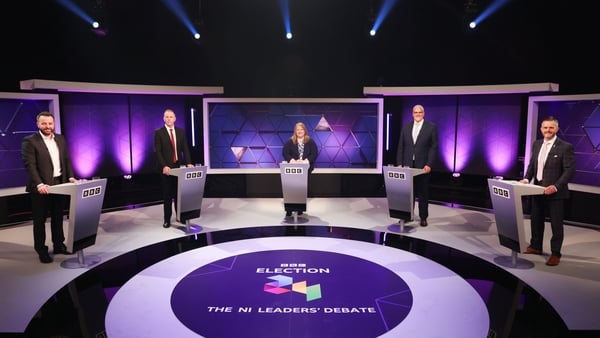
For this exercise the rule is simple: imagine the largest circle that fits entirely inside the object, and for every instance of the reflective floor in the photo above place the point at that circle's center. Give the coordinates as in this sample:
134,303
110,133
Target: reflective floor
520,302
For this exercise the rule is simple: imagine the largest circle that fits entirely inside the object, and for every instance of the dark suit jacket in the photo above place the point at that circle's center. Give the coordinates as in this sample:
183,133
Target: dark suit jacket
424,150
559,167
39,164
290,151
164,151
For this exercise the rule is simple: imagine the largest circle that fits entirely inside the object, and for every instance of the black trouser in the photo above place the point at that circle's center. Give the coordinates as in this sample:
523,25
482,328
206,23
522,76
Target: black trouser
421,190
555,207
169,190
40,206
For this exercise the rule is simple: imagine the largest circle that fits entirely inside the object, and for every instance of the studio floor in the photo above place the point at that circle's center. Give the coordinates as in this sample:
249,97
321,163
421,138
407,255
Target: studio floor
531,301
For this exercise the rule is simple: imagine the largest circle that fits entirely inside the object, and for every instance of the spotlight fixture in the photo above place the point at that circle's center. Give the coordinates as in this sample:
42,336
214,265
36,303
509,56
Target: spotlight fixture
99,29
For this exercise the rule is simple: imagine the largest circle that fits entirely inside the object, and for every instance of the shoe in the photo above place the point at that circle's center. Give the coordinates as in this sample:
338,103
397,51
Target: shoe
423,223
532,251
61,249
166,225
45,257
553,260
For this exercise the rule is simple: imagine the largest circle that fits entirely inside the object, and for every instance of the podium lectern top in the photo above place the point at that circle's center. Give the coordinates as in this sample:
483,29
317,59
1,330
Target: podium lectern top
508,209
84,210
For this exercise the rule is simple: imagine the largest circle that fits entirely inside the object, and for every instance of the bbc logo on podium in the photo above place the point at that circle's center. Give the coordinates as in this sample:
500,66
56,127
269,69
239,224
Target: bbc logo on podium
193,175
294,171
91,192
504,193
395,175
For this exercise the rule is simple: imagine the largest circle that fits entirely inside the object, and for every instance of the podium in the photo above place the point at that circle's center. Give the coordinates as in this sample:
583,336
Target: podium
400,195
294,184
190,191
507,202
84,216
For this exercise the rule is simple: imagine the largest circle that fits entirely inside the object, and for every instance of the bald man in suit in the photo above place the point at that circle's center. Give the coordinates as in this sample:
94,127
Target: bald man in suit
168,158
417,148
47,161
555,160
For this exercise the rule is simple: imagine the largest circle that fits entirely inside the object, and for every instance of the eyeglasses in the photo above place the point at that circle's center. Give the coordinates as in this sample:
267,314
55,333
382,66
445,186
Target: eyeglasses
418,112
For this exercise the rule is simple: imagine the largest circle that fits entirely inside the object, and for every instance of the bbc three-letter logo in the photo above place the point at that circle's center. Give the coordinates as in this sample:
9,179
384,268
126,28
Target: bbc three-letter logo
193,175
91,192
504,193
396,175
294,170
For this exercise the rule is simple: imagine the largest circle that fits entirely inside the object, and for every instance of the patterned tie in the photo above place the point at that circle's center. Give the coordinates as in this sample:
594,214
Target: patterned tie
301,149
542,161
173,145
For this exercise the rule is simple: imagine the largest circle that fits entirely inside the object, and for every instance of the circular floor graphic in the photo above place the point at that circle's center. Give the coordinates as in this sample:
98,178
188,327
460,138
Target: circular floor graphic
296,287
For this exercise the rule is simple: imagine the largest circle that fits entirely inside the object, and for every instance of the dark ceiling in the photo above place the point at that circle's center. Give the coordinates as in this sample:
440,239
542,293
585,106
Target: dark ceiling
243,49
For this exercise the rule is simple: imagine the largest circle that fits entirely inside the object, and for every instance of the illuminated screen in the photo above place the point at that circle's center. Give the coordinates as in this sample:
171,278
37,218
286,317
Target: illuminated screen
579,124
247,135
18,112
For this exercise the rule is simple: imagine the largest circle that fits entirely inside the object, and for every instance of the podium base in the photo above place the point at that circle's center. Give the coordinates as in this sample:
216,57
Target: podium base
514,262
295,219
80,261
189,228
400,227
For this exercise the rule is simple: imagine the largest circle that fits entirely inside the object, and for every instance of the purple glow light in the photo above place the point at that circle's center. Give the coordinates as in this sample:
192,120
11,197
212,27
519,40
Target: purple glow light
120,145
139,145
464,147
86,153
501,144
446,144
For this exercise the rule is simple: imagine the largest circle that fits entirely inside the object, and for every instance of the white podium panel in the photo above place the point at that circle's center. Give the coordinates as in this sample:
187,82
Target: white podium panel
84,215
507,202
294,184
400,193
190,192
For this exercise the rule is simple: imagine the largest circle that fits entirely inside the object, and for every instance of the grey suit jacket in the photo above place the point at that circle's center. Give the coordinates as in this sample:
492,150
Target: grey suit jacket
558,169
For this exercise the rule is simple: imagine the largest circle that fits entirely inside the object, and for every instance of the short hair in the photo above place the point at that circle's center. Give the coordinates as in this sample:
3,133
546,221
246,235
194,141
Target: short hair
550,119
44,113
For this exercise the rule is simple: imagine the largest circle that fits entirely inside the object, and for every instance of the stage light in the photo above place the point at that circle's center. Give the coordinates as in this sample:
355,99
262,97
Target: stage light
284,6
386,7
471,8
455,175
98,29
177,9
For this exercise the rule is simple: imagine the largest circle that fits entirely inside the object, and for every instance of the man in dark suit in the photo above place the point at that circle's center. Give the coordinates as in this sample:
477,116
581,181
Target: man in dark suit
171,150
417,148
552,165
48,163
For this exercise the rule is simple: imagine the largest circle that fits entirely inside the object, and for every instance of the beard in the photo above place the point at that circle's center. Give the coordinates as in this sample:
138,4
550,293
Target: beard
47,131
